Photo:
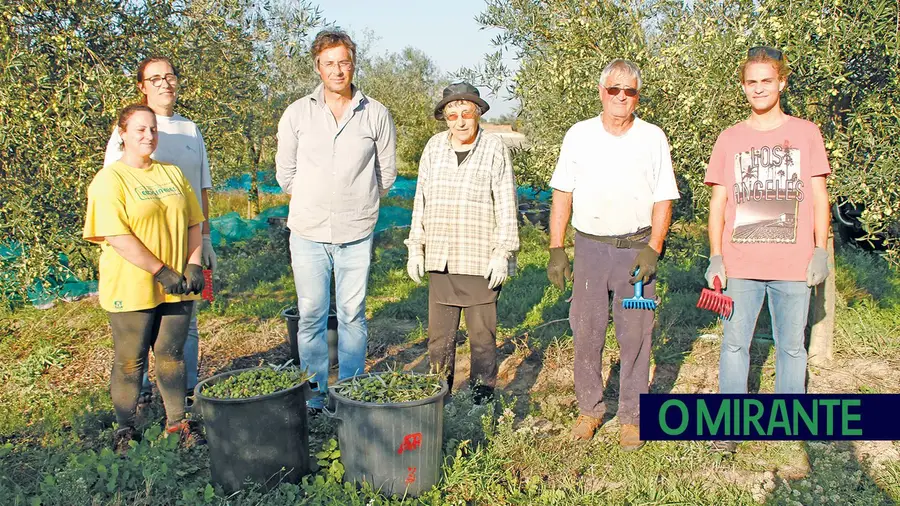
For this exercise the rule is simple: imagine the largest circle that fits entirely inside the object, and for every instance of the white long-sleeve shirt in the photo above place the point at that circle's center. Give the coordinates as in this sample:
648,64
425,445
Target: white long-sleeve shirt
335,171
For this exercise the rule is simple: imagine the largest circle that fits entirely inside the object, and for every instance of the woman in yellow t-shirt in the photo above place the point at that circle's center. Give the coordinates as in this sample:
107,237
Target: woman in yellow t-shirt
146,218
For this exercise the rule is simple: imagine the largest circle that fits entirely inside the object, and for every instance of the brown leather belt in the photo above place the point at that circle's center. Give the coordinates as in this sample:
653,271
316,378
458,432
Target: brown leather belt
635,240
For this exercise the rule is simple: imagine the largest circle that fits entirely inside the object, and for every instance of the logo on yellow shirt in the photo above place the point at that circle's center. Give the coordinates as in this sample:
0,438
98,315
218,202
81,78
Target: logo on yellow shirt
157,192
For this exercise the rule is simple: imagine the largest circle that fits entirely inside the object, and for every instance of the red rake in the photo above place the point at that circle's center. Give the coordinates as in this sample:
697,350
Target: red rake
716,301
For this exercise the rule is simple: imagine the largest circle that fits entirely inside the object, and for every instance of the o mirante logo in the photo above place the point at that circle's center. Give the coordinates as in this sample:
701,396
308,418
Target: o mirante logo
768,417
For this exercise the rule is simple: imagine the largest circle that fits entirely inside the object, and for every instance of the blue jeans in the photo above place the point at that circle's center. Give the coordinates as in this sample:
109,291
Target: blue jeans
191,357
789,308
313,263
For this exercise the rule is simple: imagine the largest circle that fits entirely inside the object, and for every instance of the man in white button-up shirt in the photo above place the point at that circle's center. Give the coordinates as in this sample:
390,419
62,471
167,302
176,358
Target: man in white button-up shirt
336,150
615,173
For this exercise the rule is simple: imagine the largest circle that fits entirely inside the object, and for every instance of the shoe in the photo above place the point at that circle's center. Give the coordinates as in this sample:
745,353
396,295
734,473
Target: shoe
122,438
145,397
482,394
312,412
189,433
630,437
585,427
723,446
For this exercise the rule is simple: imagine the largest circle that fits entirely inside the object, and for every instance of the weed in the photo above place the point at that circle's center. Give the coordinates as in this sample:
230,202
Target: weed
836,478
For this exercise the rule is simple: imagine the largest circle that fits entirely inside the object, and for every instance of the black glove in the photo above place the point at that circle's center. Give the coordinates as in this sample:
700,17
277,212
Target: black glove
194,282
645,264
170,280
559,269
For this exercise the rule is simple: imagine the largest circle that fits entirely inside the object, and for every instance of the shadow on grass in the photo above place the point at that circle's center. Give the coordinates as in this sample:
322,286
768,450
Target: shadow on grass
529,290
835,476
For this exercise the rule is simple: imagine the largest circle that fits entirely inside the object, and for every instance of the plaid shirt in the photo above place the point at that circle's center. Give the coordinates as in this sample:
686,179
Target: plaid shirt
465,214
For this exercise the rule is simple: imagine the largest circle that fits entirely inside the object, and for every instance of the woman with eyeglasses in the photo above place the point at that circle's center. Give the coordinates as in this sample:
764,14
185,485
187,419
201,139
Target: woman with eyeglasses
180,144
144,215
768,225
464,234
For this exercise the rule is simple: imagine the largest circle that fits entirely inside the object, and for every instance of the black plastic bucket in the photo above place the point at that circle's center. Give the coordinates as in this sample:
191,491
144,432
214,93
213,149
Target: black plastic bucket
254,438
290,315
396,447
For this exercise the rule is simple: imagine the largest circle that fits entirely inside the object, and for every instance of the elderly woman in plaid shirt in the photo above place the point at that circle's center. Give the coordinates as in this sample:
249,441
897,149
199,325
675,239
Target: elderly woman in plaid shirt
464,234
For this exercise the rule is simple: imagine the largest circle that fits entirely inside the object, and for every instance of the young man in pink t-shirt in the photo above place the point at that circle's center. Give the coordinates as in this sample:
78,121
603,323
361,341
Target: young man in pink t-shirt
768,223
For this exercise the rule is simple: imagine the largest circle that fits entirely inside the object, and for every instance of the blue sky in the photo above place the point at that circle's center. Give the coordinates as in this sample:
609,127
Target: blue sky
446,31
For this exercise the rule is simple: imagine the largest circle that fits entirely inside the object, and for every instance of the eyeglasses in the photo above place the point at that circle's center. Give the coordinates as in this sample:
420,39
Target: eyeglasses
157,81
771,52
330,66
614,91
455,116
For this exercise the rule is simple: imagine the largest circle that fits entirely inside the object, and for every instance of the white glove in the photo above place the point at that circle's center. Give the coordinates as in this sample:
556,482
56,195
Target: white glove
415,267
716,268
497,271
817,270
208,255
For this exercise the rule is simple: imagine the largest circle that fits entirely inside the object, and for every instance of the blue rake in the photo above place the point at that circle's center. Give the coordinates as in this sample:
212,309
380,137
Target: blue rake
638,301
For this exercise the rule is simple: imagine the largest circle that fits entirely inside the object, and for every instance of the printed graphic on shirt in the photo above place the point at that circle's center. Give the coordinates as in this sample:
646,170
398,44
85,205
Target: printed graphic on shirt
157,192
767,192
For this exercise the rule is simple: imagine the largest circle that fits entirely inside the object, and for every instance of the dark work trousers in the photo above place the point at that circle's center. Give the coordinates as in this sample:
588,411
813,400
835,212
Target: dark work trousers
481,321
163,328
600,269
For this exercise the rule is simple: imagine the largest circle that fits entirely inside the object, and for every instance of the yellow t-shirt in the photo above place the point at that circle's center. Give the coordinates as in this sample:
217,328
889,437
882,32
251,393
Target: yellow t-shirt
156,205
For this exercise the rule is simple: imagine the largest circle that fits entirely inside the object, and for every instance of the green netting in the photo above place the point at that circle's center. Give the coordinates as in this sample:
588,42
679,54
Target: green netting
265,181
393,217
528,193
403,187
230,227
60,283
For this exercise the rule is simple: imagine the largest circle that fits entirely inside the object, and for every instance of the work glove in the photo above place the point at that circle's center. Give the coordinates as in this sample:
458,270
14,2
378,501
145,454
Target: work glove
817,270
498,270
415,267
645,265
716,268
171,281
194,282
208,255
559,269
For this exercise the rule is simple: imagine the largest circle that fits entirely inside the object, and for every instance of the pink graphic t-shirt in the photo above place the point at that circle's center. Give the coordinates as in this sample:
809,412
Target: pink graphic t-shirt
769,212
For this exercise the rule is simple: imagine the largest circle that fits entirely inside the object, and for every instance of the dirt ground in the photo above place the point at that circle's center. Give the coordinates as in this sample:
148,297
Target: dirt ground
536,376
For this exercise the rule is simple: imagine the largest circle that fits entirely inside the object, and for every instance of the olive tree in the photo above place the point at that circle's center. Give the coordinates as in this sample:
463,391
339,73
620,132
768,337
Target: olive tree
408,83
845,59
61,84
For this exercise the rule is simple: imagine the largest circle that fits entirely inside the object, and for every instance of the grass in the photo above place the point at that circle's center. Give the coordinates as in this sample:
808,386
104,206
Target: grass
225,202
55,408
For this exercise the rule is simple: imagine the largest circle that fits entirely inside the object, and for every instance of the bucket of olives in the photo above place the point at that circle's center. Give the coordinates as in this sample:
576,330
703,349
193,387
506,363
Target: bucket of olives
256,425
390,429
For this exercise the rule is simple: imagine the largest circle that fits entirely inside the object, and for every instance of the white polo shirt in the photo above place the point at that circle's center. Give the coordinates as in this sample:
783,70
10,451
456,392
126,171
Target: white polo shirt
614,180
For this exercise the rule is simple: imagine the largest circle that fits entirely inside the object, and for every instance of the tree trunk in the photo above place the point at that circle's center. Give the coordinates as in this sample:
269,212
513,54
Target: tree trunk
821,338
253,192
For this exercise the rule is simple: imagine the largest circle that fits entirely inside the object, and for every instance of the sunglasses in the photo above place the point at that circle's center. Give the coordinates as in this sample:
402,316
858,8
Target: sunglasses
614,91
771,52
455,116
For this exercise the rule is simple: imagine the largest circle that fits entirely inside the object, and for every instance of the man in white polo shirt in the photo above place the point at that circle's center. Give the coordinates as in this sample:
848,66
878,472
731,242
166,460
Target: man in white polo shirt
615,173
